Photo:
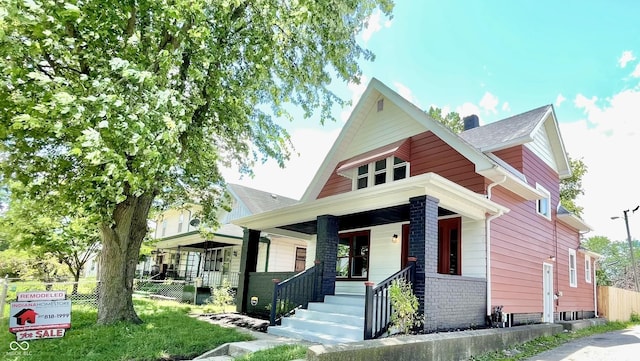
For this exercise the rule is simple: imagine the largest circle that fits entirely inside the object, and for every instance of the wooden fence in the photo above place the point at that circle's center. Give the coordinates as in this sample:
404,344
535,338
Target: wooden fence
616,304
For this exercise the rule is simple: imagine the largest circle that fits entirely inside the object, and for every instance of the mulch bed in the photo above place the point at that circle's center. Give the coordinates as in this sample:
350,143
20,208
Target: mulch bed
238,320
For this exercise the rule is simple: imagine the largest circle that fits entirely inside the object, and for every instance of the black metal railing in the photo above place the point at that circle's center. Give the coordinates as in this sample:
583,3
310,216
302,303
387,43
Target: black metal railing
377,306
295,292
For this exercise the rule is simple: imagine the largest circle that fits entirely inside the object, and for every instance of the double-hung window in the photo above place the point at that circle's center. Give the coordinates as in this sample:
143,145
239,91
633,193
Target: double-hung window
573,276
587,269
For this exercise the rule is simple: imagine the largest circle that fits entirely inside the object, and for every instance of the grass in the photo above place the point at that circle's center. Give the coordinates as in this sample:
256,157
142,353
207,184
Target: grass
168,333
279,353
541,344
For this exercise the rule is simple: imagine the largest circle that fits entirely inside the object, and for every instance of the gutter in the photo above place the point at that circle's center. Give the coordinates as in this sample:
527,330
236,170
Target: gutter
488,240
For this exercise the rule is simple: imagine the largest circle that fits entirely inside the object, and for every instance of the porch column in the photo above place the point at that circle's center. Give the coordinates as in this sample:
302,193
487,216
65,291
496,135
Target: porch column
423,244
248,263
327,252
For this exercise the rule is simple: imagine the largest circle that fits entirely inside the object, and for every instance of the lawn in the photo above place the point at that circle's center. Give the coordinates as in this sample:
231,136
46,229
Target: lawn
168,333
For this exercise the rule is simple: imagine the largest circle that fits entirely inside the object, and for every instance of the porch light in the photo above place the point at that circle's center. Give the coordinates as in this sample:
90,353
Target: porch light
395,238
552,258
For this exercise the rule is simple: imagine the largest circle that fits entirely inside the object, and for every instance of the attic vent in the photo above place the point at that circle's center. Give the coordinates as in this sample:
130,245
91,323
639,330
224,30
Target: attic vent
380,105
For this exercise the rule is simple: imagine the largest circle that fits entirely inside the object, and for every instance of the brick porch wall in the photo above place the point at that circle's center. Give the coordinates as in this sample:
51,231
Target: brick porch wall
454,302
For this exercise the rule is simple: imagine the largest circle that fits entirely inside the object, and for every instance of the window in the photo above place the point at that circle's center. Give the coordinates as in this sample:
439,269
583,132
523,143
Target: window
543,205
399,168
164,228
573,279
301,259
449,246
587,269
218,260
380,174
180,222
384,171
363,176
353,256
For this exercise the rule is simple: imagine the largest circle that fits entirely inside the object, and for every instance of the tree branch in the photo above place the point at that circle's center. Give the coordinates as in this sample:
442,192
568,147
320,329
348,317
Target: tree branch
131,23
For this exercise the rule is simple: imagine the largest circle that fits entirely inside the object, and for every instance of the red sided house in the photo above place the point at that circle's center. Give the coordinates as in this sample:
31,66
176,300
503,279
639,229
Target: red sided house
472,220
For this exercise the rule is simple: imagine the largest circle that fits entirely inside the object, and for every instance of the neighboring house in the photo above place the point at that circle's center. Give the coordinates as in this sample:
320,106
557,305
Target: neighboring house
182,252
480,211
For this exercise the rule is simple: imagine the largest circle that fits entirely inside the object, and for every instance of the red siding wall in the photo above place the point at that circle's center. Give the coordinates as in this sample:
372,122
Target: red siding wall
428,154
522,240
431,154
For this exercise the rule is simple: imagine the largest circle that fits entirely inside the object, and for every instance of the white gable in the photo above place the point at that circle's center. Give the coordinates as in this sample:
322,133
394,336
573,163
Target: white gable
382,127
541,146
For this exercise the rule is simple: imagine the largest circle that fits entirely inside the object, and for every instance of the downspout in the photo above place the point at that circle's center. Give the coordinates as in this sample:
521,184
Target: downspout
488,240
268,242
595,288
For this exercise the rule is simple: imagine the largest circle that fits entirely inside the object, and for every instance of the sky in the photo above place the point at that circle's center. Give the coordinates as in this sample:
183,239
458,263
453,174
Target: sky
497,59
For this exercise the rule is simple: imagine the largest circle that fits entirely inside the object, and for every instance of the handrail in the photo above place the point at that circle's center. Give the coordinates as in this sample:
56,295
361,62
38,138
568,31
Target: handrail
377,306
295,292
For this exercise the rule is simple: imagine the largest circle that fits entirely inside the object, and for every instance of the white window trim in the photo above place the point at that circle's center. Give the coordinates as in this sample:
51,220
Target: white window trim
544,213
573,281
587,269
164,228
371,174
180,222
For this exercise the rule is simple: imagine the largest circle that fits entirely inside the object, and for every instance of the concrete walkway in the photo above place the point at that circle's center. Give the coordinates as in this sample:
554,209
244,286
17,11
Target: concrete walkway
621,345
262,341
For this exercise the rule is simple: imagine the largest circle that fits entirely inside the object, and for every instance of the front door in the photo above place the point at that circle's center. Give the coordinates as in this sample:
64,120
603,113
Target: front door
547,291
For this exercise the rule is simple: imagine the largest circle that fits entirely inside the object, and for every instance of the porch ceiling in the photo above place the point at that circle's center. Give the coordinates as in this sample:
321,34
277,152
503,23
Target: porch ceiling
377,204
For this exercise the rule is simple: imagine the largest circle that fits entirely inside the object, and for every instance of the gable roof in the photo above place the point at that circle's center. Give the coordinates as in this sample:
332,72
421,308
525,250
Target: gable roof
257,201
484,165
522,129
506,132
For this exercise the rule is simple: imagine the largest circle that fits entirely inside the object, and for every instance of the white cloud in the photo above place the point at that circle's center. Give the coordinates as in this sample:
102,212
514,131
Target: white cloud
356,92
607,141
468,109
636,72
489,102
506,107
560,99
588,104
311,147
625,58
374,24
406,93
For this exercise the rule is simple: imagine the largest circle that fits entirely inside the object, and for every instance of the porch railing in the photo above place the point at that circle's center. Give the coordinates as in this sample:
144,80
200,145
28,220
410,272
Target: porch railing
377,307
295,292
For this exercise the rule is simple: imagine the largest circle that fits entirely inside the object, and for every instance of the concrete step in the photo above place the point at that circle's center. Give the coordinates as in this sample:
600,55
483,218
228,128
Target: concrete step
337,308
217,358
348,300
310,336
324,327
331,317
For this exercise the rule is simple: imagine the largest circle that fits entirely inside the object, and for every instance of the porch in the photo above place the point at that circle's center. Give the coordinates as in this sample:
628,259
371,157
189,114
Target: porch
367,235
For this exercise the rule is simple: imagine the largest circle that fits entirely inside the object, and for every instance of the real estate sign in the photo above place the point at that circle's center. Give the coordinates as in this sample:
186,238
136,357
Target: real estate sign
48,317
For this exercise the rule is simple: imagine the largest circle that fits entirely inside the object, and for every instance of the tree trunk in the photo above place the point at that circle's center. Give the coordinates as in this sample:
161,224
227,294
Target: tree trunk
121,241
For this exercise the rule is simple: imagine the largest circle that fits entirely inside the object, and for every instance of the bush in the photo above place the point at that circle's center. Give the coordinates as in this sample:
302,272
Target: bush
635,318
404,306
223,295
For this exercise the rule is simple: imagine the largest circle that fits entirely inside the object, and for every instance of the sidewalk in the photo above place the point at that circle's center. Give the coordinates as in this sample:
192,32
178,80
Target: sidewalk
623,345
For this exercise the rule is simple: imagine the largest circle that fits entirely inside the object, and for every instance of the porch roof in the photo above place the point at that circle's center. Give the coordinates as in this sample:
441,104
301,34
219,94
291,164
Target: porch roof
227,234
378,202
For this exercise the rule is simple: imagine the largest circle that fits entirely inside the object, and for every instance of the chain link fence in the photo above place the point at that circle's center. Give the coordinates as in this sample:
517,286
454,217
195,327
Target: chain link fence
85,292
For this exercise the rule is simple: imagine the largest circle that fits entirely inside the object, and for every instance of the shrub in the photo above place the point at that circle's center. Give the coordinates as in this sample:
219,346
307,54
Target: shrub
404,306
222,296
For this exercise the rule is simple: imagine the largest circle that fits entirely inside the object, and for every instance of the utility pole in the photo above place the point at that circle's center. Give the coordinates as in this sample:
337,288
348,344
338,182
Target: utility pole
633,258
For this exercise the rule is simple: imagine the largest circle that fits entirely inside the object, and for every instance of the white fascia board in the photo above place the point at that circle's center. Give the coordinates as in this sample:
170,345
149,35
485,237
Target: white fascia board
451,195
512,183
590,253
574,221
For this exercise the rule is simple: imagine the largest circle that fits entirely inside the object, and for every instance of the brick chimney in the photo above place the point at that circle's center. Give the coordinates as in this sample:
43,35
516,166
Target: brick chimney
471,121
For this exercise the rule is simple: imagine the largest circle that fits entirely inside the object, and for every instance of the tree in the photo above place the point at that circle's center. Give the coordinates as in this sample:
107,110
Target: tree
451,120
615,266
111,108
71,241
570,188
